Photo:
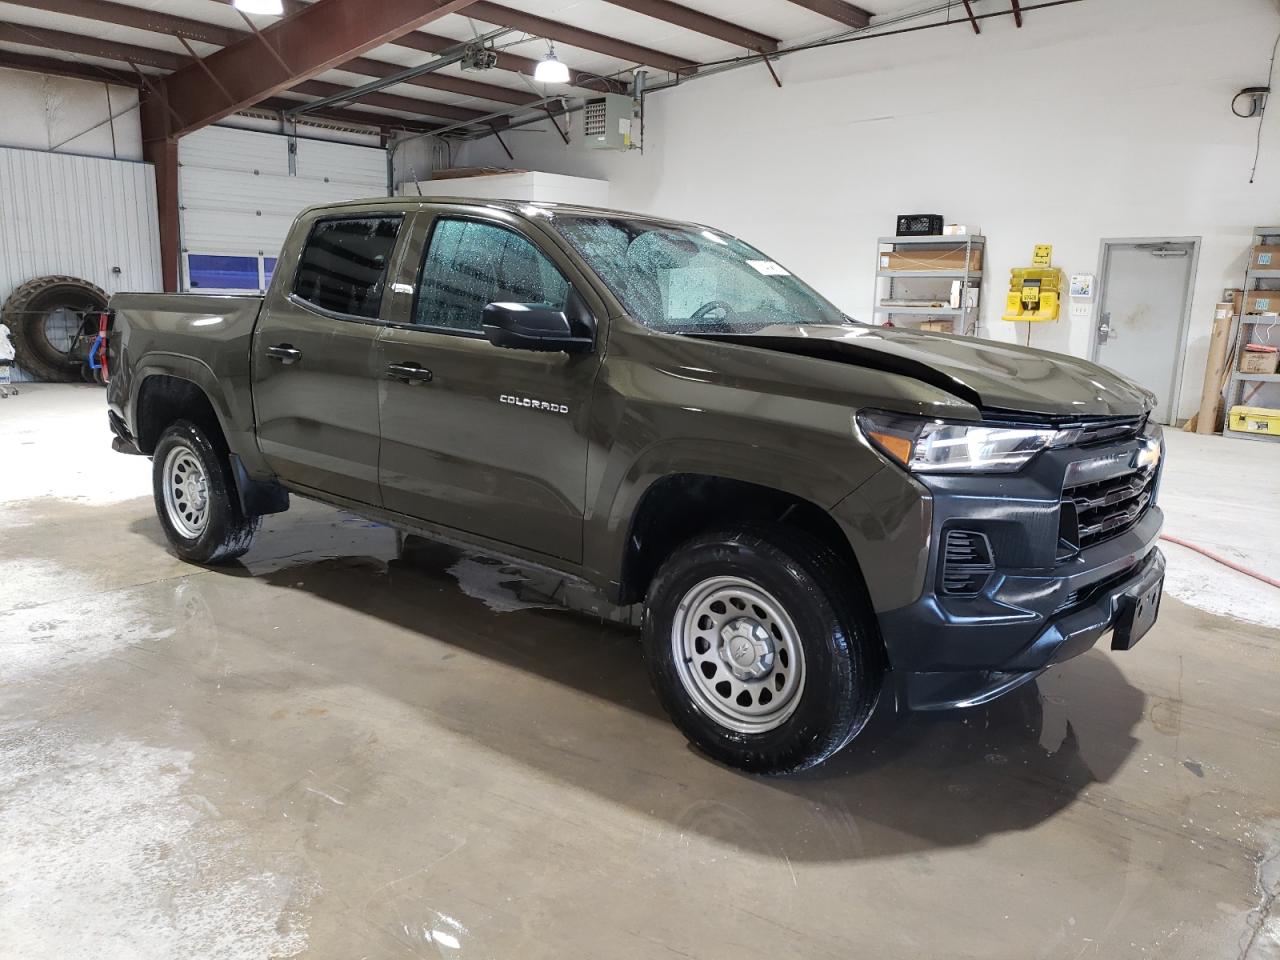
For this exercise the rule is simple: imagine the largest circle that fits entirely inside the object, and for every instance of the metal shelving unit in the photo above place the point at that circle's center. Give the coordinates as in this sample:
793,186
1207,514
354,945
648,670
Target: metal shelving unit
1243,332
890,283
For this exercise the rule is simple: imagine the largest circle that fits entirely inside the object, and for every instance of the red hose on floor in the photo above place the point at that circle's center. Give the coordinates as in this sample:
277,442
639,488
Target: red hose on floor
1221,559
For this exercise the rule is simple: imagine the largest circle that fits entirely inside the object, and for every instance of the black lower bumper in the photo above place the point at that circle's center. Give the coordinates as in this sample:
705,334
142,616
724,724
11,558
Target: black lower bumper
948,652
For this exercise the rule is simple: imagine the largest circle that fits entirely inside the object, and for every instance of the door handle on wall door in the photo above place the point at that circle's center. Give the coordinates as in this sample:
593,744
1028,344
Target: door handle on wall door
409,372
1104,328
284,353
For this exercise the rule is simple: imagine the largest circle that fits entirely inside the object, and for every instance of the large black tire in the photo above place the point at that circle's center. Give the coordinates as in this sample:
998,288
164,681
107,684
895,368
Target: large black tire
841,667
223,532
25,312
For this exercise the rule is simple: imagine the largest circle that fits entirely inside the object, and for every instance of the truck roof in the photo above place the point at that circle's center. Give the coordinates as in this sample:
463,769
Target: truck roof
517,207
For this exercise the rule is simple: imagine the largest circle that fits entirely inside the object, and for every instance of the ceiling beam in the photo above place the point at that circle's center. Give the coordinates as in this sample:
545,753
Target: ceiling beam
702,23
67,68
164,60
354,117
973,20
391,101
155,21
320,36
463,86
576,37
138,18
838,10
434,43
92,47
1017,14
431,43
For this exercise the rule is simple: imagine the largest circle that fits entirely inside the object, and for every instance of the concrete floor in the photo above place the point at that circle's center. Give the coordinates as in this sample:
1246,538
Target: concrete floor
337,751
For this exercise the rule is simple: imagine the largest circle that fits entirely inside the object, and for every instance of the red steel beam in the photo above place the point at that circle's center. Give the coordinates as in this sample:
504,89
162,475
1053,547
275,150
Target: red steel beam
92,47
702,23
355,117
577,37
67,68
389,101
1017,13
968,7
320,36
838,10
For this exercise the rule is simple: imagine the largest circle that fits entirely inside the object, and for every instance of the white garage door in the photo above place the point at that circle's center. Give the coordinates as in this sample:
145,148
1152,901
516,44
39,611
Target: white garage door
241,189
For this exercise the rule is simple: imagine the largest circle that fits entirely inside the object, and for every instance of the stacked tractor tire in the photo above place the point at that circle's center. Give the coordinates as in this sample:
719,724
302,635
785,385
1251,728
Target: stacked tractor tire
33,313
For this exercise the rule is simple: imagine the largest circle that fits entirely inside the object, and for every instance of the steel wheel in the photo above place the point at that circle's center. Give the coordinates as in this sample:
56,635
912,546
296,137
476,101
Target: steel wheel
738,654
186,492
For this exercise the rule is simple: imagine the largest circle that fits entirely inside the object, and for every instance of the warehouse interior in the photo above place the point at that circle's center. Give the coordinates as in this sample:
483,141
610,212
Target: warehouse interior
360,740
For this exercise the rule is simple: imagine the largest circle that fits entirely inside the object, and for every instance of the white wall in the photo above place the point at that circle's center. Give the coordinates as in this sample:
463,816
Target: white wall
1103,119
40,112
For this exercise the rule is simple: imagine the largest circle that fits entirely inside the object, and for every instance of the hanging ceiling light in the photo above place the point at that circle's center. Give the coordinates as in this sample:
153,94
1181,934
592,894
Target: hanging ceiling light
551,70
270,8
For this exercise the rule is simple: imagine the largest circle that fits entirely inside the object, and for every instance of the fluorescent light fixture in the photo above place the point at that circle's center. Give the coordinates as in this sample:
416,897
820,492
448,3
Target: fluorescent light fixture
551,70
270,8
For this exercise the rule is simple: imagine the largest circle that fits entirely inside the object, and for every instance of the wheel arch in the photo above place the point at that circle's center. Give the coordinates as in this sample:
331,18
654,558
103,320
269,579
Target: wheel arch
676,507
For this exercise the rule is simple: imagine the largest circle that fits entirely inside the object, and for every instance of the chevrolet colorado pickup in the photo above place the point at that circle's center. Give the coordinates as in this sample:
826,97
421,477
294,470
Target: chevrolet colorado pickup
810,510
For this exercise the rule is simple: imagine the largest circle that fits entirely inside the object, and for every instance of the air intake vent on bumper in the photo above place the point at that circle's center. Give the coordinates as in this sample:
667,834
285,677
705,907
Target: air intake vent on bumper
967,563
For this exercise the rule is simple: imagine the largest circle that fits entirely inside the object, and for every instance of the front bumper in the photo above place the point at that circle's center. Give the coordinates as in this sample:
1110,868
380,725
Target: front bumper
1045,599
1065,635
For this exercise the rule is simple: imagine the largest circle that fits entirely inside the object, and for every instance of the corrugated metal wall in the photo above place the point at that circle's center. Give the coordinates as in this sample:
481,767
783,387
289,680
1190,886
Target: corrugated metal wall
239,196
81,216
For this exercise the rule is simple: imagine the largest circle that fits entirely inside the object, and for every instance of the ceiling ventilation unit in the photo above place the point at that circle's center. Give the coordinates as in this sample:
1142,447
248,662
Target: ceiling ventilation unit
608,122
479,57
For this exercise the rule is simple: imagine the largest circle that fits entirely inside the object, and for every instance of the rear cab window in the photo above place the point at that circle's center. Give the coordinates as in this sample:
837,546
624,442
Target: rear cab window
343,267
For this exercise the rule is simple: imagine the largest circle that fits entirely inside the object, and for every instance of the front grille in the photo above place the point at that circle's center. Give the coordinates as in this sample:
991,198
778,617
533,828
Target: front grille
1107,508
1107,431
967,562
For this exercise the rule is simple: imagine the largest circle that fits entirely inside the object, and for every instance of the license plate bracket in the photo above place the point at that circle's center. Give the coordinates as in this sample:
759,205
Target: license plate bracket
1138,612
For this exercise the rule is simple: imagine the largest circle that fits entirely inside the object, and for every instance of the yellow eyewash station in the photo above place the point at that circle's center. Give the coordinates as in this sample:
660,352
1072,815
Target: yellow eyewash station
1035,292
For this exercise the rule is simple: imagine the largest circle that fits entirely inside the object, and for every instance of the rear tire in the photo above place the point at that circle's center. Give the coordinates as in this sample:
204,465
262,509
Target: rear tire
196,498
762,648
27,314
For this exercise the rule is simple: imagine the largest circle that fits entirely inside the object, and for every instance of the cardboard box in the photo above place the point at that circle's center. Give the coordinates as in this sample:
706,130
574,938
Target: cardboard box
1265,257
1262,301
938,326
947,258
960,230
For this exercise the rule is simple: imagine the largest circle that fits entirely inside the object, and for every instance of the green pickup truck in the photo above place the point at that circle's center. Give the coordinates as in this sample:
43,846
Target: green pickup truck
810,510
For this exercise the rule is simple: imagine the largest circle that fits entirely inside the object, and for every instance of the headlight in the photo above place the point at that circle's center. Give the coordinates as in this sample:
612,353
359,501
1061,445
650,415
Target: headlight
934,446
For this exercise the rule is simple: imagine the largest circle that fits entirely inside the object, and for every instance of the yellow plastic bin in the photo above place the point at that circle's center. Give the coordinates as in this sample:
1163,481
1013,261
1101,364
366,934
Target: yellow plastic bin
1255,420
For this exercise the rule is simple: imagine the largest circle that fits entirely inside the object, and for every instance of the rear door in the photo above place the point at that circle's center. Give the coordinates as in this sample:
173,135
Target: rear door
315,379
494,442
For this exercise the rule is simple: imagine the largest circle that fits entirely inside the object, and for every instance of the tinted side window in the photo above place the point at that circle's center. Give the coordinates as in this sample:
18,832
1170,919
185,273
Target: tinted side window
471,264
344,264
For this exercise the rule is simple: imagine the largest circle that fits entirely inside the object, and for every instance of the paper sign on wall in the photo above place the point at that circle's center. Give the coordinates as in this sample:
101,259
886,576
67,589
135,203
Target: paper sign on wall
1082,286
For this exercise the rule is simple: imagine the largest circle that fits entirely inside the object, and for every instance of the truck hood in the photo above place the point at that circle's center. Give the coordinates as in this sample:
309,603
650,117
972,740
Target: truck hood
994,376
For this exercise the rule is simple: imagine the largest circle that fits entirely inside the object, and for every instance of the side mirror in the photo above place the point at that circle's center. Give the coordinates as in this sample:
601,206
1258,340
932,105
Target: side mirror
531,326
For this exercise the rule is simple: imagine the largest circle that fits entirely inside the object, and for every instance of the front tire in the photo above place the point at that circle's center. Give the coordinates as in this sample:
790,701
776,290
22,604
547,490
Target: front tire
761,648
196,497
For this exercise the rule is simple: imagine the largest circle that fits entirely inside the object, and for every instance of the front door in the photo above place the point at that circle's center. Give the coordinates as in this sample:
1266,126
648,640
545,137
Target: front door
1141,319
484,439
315,388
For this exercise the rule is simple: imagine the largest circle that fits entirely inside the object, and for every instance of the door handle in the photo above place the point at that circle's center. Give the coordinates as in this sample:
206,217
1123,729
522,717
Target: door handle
409,372
1104,328
284,353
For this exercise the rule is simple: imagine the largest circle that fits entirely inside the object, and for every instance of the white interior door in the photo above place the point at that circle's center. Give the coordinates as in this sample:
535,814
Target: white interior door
1141,319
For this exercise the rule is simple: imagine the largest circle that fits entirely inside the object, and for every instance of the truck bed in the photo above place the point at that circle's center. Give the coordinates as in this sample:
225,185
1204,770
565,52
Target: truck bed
204,337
